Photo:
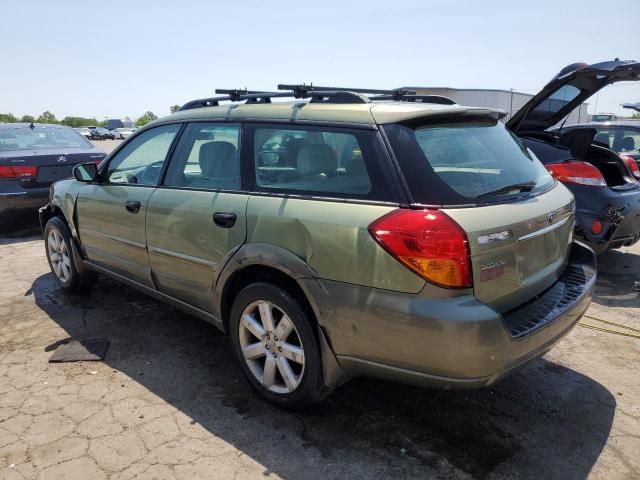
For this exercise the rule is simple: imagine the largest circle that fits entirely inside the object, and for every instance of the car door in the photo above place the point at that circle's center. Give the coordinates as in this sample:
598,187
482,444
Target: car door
111,213
196,218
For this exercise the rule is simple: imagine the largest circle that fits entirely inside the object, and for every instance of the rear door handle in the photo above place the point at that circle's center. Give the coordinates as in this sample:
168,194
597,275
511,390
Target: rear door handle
132,206
225,219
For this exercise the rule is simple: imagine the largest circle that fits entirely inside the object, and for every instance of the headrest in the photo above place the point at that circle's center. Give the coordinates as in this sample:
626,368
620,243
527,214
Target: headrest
356,167
218,159
317,158
578,141
628,144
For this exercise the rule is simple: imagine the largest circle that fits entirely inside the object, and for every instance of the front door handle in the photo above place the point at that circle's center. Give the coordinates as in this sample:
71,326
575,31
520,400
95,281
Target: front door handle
132,206
225,219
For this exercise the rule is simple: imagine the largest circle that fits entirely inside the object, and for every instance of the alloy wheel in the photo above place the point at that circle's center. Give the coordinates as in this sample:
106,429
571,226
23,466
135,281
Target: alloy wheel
271,347
59,255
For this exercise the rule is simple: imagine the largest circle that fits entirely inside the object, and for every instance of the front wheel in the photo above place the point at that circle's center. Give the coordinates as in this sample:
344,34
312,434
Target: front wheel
274,341
57,238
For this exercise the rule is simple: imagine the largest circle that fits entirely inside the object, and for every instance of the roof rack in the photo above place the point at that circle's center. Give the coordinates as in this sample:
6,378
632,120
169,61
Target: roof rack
304,91
234,95
317,94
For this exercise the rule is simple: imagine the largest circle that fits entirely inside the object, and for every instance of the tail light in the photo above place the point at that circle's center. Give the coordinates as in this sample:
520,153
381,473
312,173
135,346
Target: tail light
18,171
574,171
632,165
429,243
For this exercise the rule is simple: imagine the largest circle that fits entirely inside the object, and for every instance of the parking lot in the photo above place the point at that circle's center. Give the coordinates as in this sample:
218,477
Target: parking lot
169,402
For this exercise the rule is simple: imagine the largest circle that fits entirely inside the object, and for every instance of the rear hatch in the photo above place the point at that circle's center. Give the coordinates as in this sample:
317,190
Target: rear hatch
517,219
573,85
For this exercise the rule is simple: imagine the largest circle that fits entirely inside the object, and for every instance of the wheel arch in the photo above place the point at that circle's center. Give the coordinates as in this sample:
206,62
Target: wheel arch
265,262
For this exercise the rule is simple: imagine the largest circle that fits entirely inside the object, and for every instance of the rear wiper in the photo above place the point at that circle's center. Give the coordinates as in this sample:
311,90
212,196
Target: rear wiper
521,187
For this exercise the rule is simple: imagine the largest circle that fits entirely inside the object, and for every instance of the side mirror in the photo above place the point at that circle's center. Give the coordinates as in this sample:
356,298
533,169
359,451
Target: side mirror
85,172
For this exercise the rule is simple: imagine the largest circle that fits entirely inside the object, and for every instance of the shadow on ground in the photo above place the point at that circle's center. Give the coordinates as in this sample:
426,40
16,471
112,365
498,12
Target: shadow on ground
618,270
546,421
19,228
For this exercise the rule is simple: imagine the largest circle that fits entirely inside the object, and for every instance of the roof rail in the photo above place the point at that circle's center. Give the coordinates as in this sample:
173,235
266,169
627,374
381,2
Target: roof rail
438,99
234,95
304,91
317,95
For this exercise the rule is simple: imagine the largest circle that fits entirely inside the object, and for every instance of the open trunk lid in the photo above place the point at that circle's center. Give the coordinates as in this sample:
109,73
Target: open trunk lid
573,85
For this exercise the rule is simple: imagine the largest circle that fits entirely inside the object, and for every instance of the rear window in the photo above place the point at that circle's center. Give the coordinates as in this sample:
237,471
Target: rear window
39,138
462,163
551,105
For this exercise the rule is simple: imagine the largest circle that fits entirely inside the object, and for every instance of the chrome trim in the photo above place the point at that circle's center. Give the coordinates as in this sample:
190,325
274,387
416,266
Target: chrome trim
182,256
13,194
544,230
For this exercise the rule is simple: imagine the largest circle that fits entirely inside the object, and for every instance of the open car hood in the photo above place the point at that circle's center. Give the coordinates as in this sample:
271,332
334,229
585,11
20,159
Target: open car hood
573,85
632,106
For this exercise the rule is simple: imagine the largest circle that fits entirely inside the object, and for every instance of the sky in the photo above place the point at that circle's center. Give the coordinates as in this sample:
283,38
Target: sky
121,58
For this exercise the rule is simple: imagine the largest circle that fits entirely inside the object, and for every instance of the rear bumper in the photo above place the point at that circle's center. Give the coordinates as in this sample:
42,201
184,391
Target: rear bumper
617,210
455,342
13,202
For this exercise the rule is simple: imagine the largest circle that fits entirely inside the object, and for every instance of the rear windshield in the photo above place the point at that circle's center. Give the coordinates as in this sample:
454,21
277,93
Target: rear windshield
466,163
40,138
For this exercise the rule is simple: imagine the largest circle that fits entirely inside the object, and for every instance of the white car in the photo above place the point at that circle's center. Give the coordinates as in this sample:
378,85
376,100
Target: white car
84,131
123,133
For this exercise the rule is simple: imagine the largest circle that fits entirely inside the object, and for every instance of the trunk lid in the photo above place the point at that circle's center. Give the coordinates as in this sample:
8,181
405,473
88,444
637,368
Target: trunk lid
52,164
569,88
518,250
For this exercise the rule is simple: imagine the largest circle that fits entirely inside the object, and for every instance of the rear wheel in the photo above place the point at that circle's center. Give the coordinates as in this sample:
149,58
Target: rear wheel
275,344
58,240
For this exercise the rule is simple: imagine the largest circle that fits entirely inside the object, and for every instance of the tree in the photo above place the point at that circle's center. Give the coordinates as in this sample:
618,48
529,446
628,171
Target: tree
146,118
28,119
78,121
8,118
47,117
636,116
174,108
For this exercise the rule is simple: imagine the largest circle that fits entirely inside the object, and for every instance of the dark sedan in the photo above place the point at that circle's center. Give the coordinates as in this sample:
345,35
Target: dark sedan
101,133
621,137
603,183
33,156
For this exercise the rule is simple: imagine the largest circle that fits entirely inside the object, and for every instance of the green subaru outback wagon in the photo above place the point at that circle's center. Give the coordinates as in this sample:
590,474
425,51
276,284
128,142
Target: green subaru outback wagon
342,233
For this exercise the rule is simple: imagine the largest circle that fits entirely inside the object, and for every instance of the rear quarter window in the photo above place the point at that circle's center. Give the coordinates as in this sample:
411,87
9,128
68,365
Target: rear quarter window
460,163
322,162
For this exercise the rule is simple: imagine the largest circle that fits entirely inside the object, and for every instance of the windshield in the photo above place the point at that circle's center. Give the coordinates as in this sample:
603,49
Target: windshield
459,163
23,137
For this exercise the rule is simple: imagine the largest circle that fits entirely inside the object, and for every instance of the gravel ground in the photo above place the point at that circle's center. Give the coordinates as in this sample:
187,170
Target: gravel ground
168,401
107,145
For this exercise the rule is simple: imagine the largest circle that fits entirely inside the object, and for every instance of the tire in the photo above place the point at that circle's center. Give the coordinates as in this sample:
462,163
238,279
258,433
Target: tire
58,247
305,385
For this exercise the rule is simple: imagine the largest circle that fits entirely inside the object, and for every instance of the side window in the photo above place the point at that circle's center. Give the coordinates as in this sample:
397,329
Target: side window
629,141
206,157
140,161
312,161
